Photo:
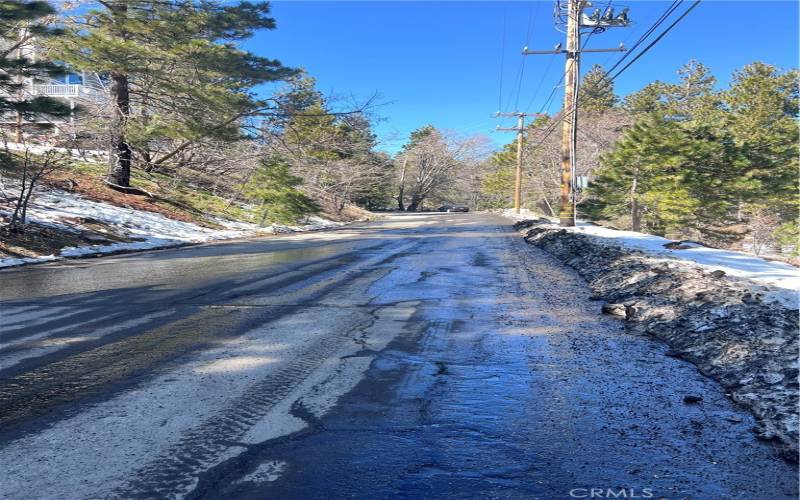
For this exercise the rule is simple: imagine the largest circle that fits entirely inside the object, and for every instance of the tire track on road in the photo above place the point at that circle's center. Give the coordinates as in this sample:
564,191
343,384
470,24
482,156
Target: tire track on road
178,468
105,370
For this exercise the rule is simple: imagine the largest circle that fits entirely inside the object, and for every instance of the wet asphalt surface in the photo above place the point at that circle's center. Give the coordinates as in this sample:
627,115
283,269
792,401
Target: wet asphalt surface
497,378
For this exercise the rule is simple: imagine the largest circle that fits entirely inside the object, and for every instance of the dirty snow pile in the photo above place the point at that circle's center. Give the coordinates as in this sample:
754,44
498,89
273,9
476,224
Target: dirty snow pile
782,279
741,332
150,230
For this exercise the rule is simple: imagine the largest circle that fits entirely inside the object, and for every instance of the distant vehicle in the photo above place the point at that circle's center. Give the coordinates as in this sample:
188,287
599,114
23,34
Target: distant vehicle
453,208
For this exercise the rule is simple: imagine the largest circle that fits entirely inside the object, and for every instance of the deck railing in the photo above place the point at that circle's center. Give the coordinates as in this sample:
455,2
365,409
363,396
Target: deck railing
58,90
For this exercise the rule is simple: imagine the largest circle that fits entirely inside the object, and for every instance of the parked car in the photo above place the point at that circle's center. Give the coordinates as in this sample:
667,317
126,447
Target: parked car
453,208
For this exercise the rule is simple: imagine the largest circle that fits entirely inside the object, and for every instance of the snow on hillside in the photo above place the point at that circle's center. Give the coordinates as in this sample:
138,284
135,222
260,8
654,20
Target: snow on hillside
741,265
152,230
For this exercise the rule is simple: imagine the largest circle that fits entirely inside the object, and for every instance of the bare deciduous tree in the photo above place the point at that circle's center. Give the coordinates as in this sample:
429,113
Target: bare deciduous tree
542,155
761,224
33,164
437,162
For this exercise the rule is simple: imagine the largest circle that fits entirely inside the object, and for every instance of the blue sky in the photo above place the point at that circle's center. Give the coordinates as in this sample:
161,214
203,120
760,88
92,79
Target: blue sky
440,62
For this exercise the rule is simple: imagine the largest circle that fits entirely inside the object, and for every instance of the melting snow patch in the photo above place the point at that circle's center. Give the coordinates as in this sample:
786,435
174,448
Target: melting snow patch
13,261
154,230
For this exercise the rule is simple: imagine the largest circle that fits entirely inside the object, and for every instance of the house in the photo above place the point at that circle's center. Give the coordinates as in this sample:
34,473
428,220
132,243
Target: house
80,90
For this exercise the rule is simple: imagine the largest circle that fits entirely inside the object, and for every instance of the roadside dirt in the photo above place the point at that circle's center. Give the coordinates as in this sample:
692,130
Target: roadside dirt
39,239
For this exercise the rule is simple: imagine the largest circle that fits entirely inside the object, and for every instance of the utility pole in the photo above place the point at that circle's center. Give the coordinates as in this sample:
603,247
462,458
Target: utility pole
520,130
570,13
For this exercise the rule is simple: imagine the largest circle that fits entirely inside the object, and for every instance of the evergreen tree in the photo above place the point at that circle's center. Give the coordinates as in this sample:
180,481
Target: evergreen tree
596,92
175,70
276,190
332,151
704,160
21,24
665,176
418,135
693,98
498,184
308,125
650,99
763,105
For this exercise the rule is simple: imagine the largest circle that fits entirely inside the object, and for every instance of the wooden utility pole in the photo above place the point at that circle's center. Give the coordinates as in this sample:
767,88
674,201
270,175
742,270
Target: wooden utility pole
520,130
569,126
572,15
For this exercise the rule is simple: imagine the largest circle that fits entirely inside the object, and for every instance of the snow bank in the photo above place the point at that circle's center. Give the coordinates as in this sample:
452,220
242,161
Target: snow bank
14,261
151,230
730,329
782,279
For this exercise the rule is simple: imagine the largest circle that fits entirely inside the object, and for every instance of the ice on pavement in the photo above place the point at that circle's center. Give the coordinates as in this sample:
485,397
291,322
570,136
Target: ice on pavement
737,264
56,208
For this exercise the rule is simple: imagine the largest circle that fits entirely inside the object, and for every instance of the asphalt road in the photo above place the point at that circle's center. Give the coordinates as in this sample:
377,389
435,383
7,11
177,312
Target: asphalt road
422,356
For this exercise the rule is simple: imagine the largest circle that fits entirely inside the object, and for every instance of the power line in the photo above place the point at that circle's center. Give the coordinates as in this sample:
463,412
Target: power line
644,51
664,15
541,82
646,34
547,102
502,62
561,115
532,15
531,22
519,84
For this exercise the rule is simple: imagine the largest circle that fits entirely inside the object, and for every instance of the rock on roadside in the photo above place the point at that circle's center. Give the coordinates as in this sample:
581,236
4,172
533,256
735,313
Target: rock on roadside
750,346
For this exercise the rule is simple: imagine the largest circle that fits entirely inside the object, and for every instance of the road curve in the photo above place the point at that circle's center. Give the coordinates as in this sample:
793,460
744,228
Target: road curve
421,356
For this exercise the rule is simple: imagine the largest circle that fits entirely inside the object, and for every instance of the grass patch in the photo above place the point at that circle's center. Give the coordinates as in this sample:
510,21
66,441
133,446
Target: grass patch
171,199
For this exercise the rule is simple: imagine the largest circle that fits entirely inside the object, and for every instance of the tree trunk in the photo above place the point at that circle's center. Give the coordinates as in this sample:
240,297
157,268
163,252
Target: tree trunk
119,155
15,226
636,210
402,185
546,205
415,203
19,136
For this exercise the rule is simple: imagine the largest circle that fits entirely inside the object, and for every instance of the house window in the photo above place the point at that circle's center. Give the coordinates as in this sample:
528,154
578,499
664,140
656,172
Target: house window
70,79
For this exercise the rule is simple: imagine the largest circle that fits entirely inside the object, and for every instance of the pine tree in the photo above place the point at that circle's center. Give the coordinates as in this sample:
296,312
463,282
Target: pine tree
175,71
498,184
704,160
650,99
763,104
763,107
596,92
332,151
308,125
664,176
21,24
694,97
276,190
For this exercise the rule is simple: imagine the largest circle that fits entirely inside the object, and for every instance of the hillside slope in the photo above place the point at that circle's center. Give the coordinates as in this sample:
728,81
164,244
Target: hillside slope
75,214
